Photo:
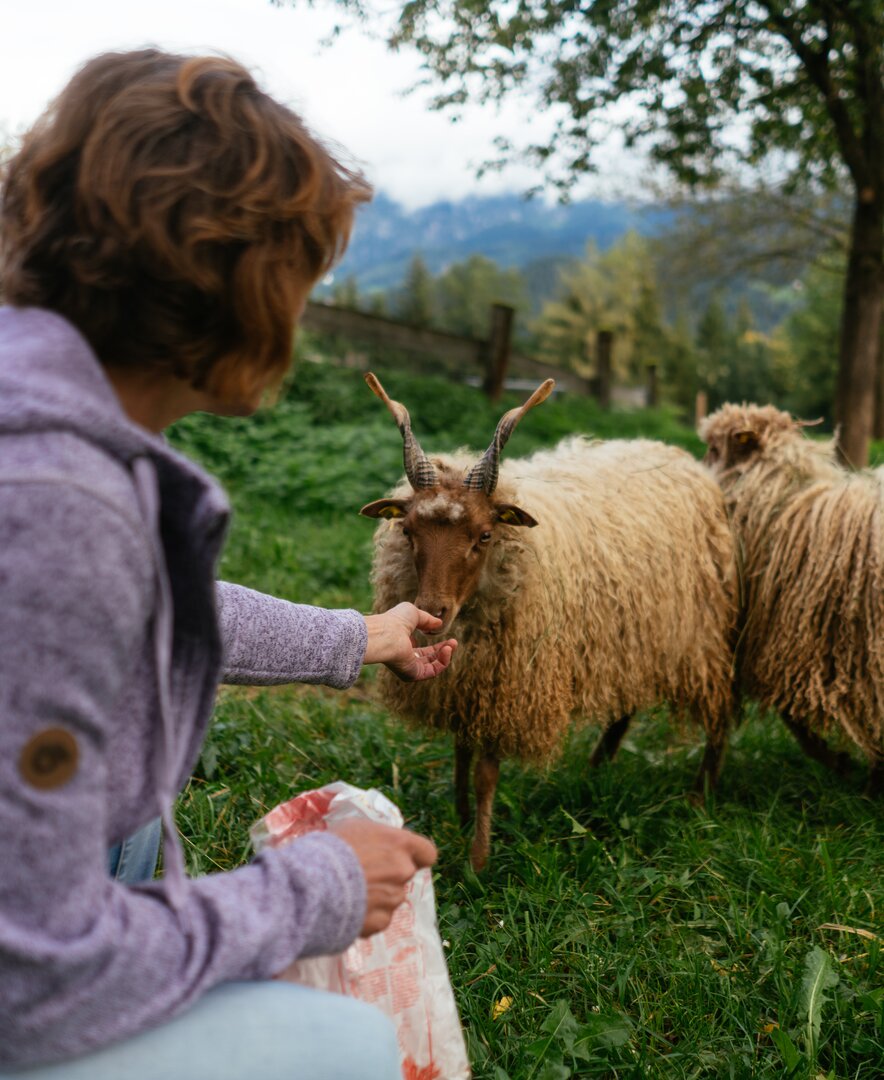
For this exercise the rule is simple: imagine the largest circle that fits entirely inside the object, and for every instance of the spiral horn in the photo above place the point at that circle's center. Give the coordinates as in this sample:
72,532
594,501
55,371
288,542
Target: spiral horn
483,475
418,467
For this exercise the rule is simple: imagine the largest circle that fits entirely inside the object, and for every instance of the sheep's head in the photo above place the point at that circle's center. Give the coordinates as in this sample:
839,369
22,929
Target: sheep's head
450,518
737,435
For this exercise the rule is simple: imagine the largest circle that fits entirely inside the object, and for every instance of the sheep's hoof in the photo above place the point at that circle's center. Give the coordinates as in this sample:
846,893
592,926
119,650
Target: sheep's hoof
598,757
478,859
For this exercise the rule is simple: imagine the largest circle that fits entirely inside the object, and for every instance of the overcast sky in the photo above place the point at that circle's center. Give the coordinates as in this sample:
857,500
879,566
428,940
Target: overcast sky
351,92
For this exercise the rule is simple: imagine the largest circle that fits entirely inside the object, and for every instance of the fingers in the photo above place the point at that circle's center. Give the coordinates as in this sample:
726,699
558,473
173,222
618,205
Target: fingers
389,857
422,850
434,659
426,622
382,904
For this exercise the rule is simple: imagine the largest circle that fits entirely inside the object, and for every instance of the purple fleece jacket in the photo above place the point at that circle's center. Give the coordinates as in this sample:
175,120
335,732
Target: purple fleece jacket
106,535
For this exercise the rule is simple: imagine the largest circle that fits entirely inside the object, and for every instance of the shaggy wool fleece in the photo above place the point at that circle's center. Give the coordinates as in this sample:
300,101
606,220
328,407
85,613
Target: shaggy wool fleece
812,543
623,597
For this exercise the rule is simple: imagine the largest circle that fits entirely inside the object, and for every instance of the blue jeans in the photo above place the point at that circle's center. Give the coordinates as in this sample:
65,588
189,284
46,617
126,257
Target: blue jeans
239,1031
135,859
249,1031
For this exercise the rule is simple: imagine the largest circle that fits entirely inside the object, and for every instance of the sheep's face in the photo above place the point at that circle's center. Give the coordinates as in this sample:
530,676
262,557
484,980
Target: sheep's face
731,450
450,533
736,435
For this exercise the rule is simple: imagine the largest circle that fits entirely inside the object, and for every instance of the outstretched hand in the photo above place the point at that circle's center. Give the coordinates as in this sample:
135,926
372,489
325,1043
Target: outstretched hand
391,642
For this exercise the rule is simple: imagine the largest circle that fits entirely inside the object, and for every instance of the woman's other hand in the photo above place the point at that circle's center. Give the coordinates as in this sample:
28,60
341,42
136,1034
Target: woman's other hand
389,858
391,642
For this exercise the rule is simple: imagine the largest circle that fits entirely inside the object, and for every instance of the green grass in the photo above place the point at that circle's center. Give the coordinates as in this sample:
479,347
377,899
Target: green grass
634,934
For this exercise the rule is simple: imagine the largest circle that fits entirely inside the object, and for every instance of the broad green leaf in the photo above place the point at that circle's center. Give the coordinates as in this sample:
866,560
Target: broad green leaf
561,1025
818,977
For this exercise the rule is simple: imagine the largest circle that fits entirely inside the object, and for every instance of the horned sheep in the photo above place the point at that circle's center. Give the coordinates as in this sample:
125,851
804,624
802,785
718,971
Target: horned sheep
623,597
811,535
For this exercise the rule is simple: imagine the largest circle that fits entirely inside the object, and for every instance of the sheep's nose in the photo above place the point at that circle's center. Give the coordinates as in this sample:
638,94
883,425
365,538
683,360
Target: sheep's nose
434,608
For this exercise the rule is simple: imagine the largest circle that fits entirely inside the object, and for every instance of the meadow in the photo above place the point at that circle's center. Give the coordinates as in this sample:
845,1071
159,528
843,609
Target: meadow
619,931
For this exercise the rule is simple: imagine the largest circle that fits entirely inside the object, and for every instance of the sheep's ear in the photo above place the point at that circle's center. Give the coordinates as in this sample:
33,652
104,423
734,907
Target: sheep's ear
385,508
514,515
745,443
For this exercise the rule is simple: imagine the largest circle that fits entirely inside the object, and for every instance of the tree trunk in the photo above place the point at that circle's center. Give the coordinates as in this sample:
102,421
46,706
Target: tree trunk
860,329
499,343
603,366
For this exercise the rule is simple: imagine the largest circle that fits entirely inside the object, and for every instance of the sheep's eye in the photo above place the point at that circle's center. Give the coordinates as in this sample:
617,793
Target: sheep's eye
405,531
485,537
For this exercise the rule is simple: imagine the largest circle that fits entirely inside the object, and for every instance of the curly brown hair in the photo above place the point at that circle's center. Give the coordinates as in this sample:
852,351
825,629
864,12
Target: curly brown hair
176,215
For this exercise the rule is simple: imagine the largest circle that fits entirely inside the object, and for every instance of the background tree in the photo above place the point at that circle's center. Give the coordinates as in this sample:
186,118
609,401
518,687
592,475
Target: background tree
650,335
716,345
415,303
346,293
804,80
607,290
807,344
679,376
466,291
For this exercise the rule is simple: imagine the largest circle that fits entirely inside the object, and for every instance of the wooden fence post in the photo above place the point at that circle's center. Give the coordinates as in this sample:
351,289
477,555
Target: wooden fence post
653,398
499,341
701,407
604,349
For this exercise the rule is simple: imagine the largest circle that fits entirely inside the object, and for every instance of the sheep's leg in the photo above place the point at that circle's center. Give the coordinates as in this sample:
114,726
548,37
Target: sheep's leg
817,748
875,786
485,779
609,743
710,768
463,758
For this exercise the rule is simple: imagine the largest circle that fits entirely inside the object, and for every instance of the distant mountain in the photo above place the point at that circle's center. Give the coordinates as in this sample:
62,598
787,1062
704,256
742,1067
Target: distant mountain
509,230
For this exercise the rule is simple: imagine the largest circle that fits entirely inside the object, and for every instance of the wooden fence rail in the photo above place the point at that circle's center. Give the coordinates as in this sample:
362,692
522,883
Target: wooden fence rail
490,363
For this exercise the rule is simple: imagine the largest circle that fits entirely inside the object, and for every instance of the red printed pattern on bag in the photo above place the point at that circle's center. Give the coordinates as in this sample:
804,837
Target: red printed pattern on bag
374,985
298,816
412,1071
401,925
406,989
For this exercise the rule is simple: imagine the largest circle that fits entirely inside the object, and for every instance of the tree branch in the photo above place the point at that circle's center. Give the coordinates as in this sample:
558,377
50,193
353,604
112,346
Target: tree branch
816,64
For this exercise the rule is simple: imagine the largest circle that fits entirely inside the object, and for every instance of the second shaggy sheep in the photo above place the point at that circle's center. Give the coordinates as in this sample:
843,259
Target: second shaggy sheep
812,540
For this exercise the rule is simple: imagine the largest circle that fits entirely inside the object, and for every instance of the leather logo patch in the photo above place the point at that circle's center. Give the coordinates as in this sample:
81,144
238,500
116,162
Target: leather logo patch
49,759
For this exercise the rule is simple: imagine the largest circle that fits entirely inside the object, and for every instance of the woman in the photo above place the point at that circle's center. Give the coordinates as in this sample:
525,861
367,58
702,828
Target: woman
161,229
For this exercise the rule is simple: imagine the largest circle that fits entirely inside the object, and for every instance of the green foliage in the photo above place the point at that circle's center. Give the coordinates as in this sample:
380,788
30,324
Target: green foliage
466,290
808,344
415,302
329,445
734,361
614,290
799,78
635,935
818,978
345,293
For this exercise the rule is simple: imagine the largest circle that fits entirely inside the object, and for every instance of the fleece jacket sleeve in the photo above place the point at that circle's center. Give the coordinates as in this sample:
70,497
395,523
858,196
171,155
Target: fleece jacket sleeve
84,960
267,640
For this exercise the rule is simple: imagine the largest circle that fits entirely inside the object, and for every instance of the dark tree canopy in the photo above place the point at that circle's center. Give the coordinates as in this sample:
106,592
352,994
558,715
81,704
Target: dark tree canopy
710,81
